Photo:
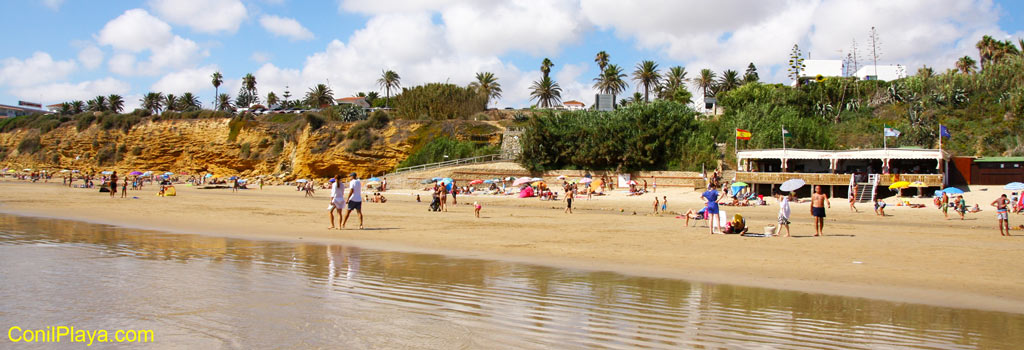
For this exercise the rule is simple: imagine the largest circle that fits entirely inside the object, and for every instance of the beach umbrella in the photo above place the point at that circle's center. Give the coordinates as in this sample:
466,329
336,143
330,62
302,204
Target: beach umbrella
230,178
476,182
208,175
792,185
373,179
561,177
436,179
135,173
447,180
372,183
426,181
739,184
1014,186
168,173
521,181
26,169
586,180
952,191
899,185
536,179
65,170
488,182
148,173
510,178
107,172
302,180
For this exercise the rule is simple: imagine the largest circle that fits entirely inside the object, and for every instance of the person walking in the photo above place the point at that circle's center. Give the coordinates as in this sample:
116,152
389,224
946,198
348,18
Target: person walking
784,211
1002,214
853,199
569,197
354,200
818,202
337,199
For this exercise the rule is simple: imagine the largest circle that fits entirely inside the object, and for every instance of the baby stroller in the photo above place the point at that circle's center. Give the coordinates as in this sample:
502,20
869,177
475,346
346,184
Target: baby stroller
435,204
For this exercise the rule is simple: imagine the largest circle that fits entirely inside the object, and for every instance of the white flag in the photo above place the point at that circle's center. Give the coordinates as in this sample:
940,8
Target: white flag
890,132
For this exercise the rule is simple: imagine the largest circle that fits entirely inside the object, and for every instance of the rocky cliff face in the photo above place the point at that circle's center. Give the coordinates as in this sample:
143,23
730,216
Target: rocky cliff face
208,146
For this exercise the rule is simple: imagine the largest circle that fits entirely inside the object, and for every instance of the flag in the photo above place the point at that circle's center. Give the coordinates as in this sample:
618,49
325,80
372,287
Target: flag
944,132
890,132
742,134
785,133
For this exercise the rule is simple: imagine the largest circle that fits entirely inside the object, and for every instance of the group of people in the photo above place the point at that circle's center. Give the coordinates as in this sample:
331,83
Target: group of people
713,199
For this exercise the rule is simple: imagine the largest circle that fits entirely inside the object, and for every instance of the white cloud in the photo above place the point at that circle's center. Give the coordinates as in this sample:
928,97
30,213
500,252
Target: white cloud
53,4
137,31
36,69
260,57
535,27
60,92
207,16
91,57
572,88
286,27
192,80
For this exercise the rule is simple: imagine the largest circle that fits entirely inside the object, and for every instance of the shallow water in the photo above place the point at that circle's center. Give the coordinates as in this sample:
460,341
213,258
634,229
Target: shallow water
201,291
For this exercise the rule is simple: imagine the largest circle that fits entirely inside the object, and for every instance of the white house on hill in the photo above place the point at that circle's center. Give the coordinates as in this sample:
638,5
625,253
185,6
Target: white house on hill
825,68
882,72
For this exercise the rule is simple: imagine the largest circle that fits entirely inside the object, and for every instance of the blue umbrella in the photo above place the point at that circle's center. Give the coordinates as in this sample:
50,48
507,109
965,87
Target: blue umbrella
952,191
1014,186
447,180
233,178
488,181
168,173
436,179
108,172
373,179
208,175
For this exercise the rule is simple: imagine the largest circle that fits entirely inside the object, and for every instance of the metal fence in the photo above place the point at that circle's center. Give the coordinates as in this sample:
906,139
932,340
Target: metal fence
472,160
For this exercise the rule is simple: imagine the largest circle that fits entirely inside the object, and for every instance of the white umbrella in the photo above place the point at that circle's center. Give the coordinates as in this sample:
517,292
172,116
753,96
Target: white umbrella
1014,186
561,177
521,181
792,185
586,180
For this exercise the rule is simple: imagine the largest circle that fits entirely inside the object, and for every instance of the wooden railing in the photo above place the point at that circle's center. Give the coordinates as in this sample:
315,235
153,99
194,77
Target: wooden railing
472,160
931,180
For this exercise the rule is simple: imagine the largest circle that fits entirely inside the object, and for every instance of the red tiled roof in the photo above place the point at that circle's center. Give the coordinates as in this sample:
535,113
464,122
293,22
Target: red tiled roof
573,102
350,99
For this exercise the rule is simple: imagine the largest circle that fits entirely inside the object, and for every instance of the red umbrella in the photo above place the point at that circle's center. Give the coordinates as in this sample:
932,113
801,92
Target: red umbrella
476,182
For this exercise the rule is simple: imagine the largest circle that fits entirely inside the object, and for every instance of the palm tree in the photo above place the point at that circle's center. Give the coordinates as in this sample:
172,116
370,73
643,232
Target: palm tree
171,102
546,92
116,103
65,108
966,65
249,84
611,81
389,80
675,79
372,96
272,99
647,75
637,97
705,80
320,96
925,72
224,103
730,80
77,106
545,67
153,102
602,60
216,79
189,102
487,84
98,104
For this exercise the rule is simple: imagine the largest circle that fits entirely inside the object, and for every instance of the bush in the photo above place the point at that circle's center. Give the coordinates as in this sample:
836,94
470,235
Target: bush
379,119
108,155
360,137
30,145
438,101
315,122
243,151
235,126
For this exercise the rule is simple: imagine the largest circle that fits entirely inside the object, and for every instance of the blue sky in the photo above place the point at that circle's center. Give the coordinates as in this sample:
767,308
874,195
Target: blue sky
74,49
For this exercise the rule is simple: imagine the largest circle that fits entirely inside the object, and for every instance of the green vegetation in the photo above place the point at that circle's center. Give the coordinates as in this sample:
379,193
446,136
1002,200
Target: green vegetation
437,101
30,144
437,148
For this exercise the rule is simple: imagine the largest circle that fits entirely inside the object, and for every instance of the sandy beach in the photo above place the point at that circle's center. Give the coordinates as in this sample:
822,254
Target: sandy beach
913,255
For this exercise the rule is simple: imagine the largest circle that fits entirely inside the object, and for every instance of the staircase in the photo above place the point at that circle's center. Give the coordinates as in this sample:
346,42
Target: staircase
866,190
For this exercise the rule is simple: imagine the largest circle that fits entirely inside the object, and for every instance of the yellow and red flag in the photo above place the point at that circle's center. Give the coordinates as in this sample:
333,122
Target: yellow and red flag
742,134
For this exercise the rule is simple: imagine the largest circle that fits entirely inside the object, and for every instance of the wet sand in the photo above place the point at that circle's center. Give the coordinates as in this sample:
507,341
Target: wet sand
913,255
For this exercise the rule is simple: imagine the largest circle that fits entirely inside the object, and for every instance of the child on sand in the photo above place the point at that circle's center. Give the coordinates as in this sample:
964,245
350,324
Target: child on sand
656,204
664,203
879,207
124,188
476,209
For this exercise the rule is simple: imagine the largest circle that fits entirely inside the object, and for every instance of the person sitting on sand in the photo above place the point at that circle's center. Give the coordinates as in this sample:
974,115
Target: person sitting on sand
695,215
975,209
738,225
879,207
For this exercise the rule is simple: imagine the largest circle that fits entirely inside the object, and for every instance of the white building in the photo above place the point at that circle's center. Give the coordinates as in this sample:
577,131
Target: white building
825,68
881,72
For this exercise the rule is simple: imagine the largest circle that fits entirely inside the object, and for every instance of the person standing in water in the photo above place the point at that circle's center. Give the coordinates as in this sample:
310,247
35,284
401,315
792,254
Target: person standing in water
1002,214
818,202
354,200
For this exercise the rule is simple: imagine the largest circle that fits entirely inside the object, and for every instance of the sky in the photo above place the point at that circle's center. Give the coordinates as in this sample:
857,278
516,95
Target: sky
62,50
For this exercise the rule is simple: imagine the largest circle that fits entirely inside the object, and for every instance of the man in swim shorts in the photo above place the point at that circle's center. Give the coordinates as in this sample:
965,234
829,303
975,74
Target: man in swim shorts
1002,214
818,202
354,199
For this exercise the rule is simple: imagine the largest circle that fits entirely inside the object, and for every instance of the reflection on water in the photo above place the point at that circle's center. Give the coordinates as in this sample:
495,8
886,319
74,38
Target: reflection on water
198,291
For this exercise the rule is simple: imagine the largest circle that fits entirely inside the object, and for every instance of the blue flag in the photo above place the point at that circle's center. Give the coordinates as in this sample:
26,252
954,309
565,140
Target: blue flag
944,132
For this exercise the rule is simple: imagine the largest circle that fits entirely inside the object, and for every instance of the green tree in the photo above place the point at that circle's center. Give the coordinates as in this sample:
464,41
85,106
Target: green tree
547,92
77,106
730,80
372,97
189,102
116,103
216,79
647,75
171,102
224,103
319,96
272,99
705,81
966,65
750,76
487,84
98,104
612,81
796,64
439,101
602,61
153,102
249,83
545,67
389,80
674,79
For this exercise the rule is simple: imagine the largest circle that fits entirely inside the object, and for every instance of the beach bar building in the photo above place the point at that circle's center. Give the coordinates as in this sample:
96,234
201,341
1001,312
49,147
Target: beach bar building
837,171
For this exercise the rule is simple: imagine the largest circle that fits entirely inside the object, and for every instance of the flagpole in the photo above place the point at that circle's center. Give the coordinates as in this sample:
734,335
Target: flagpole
783,137
884,146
